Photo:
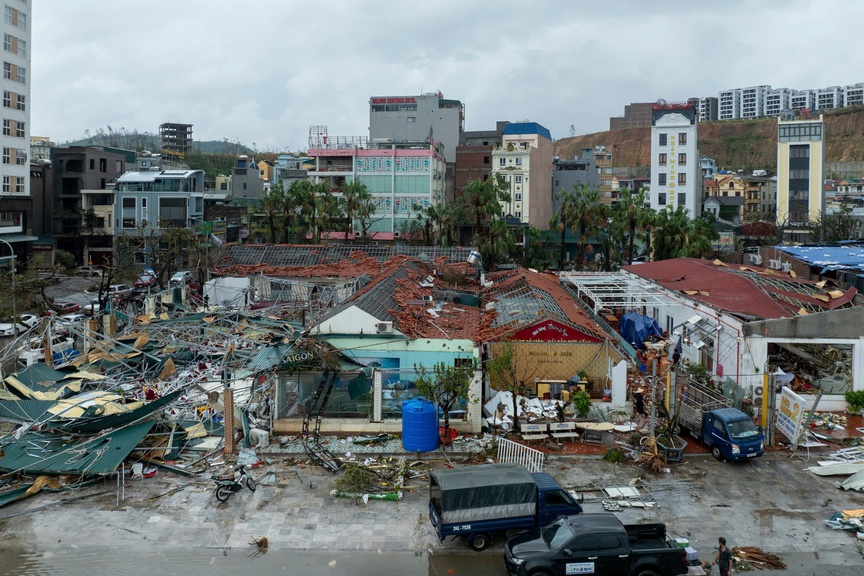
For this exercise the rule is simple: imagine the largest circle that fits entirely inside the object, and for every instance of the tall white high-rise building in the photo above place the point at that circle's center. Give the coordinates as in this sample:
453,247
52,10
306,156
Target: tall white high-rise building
753,101
15,138
676,174
776,101
730,104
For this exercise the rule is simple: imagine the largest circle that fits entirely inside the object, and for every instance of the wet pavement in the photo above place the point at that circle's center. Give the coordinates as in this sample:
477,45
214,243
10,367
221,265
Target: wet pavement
771,503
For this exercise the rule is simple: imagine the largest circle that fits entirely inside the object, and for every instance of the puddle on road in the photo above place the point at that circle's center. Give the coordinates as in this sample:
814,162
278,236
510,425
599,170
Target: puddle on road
72,561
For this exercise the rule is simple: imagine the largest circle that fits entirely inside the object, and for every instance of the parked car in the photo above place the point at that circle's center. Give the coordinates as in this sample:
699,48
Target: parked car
120,290
72,318
89,271
62,308
594,544
8,329
181,278
28,320
92,307
145,281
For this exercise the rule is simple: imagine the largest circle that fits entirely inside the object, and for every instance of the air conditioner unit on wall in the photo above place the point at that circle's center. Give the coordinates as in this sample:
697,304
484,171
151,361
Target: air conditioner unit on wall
756,259
384,327
775,264
786,266
758,392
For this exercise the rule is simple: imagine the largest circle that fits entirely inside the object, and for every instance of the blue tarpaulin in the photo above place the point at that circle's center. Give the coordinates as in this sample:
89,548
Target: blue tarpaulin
636,329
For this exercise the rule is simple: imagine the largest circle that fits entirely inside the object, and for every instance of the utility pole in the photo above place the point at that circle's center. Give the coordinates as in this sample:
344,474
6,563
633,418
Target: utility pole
653,420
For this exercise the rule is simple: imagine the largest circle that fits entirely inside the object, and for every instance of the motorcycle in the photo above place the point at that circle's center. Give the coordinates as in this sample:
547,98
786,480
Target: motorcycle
227,485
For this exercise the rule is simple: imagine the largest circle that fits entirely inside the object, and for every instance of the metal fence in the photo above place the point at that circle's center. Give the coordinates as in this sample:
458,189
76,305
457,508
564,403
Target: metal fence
515,453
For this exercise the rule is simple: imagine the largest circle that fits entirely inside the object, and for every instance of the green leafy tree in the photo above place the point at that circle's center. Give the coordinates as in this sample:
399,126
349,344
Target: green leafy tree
514,373
446,386
272,202
835,227
535,250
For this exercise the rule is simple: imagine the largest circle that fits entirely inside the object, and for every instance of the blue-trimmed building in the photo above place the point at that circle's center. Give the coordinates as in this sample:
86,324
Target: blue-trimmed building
524,159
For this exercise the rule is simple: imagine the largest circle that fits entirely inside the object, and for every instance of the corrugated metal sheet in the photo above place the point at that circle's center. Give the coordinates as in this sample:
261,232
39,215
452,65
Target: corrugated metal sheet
269,357
24,410
38,453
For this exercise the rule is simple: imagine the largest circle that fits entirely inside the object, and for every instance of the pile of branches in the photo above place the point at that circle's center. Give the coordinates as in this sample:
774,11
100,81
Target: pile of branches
758,558
651,456
372,478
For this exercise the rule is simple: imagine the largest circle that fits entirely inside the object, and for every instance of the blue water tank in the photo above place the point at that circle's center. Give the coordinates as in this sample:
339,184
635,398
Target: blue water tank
419,425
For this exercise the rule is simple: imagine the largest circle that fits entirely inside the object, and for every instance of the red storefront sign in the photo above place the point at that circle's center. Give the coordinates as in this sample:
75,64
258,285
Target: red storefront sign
552,331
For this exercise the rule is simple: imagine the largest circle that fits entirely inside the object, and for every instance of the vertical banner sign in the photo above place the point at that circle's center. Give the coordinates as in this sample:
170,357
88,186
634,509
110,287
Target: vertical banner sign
790,415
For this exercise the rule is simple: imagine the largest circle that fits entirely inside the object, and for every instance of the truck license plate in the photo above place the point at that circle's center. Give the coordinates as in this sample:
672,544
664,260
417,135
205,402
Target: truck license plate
580,568
751,455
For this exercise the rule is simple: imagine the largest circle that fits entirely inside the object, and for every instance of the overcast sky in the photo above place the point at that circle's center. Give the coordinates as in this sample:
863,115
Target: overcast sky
264,71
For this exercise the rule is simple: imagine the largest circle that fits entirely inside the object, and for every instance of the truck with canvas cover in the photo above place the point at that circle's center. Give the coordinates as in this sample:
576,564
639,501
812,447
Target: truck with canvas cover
475,502
727,431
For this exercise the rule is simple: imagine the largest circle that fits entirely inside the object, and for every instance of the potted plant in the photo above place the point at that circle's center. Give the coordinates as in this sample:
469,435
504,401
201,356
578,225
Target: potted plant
581,403
672,446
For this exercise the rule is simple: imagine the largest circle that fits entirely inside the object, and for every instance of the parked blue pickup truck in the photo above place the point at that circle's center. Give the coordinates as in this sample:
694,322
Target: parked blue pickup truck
475,502
597,544
728,432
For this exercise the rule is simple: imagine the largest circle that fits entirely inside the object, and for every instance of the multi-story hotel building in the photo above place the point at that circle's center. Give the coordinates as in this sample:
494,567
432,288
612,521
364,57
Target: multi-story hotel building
676,173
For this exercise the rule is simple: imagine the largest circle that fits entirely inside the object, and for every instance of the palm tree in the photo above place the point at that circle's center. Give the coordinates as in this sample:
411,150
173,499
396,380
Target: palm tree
496,244
356,202
586,218
272,202
292,208
630,212
563,219
482,199
677,236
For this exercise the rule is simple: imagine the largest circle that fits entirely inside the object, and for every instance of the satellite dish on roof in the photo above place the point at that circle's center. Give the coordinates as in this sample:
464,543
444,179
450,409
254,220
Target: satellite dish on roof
661,102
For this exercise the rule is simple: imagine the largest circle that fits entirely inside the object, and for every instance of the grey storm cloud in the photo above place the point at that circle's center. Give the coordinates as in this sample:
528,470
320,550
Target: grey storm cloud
264,71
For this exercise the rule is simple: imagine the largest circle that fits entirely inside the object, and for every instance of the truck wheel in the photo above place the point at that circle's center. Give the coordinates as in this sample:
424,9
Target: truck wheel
647,573
478,542
715,451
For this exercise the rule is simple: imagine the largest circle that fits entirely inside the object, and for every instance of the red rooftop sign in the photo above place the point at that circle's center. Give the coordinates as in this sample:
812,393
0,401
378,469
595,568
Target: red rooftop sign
395,100
552,331
674,106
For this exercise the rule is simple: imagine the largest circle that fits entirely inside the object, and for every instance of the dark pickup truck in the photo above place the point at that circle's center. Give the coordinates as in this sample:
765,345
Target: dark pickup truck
594,544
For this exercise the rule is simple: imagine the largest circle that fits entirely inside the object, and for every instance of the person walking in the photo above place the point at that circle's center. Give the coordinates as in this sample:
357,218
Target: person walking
723,559
639,406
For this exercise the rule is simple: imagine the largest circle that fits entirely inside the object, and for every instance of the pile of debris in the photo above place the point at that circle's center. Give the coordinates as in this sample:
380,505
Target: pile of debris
754,557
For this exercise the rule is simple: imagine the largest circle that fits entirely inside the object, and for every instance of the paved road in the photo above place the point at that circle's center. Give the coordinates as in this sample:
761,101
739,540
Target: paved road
771,503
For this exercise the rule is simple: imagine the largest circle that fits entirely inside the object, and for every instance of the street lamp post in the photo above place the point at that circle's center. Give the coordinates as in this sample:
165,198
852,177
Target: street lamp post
14,311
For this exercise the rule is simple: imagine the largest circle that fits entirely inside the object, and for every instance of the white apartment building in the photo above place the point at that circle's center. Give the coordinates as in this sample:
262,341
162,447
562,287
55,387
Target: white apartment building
753,101
831,97
776,101
676,173
761,101
801,99
524,161
15,200
853,94
730,104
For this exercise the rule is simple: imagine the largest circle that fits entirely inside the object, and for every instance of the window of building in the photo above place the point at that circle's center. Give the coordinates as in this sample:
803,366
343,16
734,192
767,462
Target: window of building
7,184
118,166
92,163
682,138
518,161
20,185
662,139
682,198
682,178
173,210
7,127
7,155
661,198
20,157
518,214
21,102
19,129
661,159
661,178
682,159
517,178
7,42
518,196
7,99
502,161
485,160
412,119
103,165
